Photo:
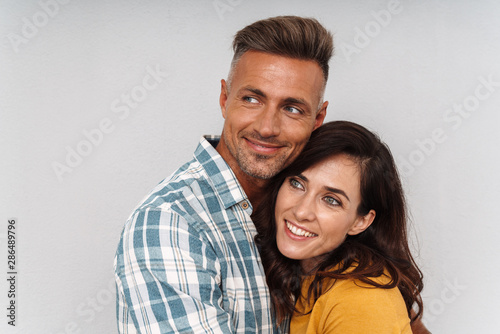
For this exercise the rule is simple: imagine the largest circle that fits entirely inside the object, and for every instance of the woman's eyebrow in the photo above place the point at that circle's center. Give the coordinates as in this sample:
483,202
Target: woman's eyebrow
337,191
330,189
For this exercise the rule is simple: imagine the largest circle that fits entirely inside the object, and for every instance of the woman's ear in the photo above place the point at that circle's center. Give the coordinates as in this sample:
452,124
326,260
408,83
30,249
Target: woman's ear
362,223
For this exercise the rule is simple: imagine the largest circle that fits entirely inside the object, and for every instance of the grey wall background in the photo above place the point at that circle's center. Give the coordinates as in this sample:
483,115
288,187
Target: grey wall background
86,131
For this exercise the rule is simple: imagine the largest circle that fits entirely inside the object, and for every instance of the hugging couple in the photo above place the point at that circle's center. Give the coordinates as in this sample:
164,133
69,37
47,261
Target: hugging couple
282,224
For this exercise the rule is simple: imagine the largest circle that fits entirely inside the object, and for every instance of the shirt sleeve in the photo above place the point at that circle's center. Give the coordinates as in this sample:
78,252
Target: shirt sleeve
167,278
358,310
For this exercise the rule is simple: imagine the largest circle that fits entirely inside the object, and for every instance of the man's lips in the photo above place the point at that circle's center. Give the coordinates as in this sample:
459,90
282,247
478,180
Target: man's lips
263,147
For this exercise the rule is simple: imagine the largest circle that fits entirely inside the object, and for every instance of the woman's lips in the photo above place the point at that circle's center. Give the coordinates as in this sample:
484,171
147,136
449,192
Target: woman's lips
298,232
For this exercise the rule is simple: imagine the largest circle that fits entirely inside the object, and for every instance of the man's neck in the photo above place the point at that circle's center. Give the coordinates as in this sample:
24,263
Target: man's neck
254,188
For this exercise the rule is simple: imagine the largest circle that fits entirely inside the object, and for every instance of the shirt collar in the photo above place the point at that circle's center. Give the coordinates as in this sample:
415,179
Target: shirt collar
226,185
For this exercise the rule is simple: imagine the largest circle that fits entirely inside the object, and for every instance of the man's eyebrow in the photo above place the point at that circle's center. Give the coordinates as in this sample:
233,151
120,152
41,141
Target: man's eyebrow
260,93
256,91
302,102
330,189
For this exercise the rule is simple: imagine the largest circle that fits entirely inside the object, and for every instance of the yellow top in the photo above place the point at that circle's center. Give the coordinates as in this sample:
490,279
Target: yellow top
351,307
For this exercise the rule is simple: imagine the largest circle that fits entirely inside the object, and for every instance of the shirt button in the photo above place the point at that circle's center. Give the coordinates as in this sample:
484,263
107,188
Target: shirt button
245,205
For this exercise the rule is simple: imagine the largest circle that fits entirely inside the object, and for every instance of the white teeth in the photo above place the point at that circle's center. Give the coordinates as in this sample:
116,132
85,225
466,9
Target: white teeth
298,231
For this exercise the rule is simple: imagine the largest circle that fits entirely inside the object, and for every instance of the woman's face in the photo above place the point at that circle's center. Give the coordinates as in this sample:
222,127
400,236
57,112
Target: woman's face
318,208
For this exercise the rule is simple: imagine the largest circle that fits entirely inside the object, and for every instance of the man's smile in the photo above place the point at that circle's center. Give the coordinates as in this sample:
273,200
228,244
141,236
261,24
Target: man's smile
263,147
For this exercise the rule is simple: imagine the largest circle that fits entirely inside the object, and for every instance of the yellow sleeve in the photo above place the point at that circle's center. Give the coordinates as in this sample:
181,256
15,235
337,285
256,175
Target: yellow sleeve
352,308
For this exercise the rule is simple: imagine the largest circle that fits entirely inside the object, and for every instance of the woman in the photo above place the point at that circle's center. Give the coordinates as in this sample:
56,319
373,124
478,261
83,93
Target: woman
333,241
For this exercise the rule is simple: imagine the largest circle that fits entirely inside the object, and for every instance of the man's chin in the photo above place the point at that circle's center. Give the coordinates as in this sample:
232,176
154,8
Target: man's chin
261,167
260,172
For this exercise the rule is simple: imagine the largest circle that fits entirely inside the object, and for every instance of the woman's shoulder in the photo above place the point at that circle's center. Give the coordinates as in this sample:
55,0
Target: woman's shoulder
353,298
350,305
358,291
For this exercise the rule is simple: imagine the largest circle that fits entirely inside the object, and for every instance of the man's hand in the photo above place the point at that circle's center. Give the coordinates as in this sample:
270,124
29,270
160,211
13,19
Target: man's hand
417,326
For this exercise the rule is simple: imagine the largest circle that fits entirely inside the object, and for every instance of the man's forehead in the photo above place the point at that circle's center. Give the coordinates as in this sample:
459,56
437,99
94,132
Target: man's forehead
262,72
253,56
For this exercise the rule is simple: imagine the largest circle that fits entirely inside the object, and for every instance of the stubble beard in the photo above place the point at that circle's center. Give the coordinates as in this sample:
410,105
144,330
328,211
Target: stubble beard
256,165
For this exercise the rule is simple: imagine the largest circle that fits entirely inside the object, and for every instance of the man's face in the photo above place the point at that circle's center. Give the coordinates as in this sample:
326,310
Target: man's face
270,111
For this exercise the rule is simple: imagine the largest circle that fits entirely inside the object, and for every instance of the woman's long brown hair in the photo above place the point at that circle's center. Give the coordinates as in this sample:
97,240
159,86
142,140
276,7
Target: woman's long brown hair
381,247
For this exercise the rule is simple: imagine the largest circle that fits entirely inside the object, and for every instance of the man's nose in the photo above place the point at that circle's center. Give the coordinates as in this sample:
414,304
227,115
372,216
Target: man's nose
269,122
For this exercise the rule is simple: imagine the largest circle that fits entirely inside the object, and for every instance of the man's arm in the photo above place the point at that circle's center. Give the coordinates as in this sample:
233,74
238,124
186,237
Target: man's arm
167,278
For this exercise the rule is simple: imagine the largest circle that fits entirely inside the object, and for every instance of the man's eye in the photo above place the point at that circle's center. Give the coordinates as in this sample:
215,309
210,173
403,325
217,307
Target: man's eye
293,110
250,99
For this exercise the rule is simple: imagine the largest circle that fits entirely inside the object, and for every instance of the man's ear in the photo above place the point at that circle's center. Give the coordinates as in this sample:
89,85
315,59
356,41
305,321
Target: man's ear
223,97
362,223
320,116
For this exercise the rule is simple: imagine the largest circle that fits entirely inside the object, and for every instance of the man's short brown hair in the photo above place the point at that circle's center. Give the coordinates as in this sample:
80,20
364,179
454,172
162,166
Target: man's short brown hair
288,36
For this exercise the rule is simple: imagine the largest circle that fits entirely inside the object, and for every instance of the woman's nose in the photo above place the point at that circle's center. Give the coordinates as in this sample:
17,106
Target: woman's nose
305,210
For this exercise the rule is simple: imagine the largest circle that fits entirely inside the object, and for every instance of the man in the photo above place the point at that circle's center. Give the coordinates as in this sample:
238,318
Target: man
187,261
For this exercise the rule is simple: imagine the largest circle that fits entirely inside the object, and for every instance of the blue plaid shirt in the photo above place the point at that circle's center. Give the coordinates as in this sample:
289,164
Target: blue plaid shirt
187,262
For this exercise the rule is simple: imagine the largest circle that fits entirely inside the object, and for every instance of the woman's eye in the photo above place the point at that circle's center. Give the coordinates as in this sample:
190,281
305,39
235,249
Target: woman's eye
296,184
331,201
